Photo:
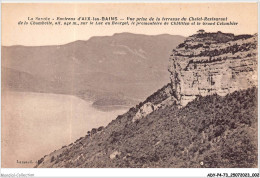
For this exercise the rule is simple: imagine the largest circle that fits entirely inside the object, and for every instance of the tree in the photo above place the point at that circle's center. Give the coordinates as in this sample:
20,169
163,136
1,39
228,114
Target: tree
201,31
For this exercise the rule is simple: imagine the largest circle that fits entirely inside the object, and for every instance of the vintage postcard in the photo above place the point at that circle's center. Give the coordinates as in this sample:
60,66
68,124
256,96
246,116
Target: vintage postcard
129,85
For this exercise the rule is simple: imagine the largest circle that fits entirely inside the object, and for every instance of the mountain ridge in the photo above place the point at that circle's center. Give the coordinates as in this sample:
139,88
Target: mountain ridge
106,63
115,34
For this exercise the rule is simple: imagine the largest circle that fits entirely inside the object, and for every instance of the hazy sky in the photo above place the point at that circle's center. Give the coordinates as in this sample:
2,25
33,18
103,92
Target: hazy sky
13,34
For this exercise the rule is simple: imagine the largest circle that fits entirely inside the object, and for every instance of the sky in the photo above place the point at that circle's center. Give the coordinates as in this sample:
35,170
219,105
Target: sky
13,34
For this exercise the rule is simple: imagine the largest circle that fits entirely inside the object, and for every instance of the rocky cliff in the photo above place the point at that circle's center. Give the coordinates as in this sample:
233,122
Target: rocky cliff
205,64
208,63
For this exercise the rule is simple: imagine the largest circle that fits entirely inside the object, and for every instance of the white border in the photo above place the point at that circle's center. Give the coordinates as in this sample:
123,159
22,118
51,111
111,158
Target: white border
124,172
127,1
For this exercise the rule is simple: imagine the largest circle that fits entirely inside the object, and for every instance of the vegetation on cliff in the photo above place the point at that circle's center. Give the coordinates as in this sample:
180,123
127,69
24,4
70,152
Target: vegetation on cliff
211,131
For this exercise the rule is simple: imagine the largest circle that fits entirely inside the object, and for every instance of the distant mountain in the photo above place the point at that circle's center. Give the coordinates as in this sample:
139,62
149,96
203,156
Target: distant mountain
125,64
13,79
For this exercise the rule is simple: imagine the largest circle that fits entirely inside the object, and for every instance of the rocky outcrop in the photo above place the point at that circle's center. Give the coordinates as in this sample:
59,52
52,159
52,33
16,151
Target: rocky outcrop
146,109
208,63
115,155
205,64
160,99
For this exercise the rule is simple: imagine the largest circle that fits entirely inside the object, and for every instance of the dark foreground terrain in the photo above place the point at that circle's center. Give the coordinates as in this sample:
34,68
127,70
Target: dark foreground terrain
210,132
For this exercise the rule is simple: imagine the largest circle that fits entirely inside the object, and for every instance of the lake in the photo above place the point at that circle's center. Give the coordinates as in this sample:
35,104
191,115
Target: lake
35,124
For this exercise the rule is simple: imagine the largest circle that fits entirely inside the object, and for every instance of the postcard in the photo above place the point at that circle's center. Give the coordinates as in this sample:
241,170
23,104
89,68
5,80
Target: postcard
129,85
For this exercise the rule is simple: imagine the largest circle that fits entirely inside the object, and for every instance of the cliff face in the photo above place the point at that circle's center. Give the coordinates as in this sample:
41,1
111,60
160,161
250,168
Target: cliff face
209,63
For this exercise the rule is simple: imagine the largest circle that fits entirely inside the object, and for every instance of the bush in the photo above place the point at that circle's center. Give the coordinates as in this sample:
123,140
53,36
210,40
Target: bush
52,159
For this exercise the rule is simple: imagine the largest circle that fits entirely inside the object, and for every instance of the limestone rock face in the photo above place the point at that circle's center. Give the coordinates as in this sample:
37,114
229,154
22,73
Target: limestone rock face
160,99
146,109
209,63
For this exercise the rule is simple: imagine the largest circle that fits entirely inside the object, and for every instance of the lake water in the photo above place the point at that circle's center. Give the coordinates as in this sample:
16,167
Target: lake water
35,124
